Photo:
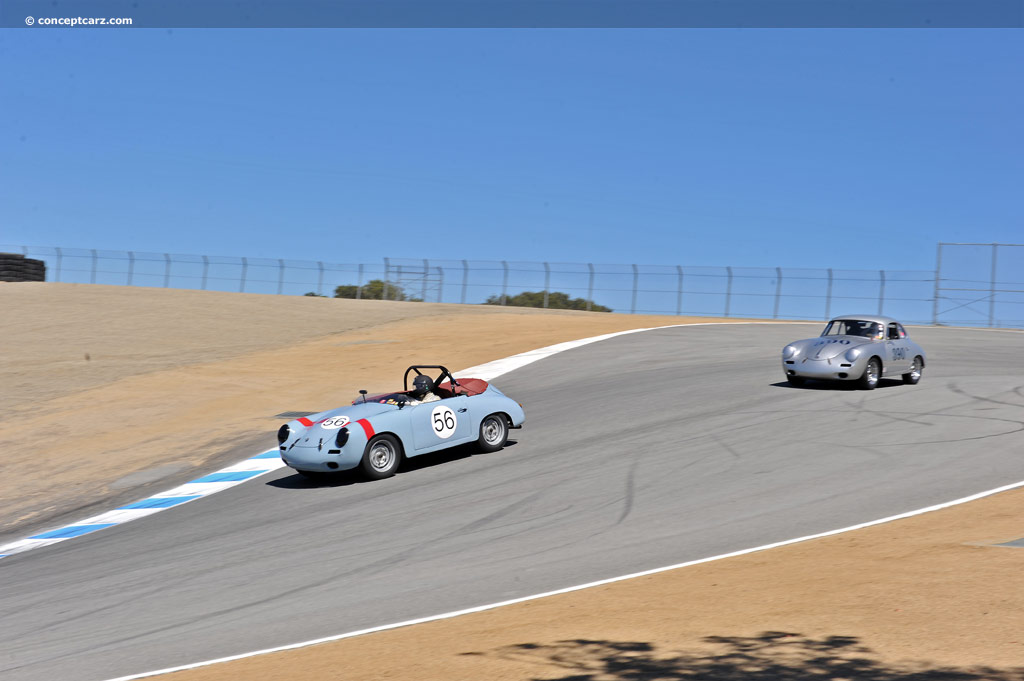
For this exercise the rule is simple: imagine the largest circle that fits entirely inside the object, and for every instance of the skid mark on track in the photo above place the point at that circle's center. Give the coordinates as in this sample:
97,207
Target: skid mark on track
953,387
629,493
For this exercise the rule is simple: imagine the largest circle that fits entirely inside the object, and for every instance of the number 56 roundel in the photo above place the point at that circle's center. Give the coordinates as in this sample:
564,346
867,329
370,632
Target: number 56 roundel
444,421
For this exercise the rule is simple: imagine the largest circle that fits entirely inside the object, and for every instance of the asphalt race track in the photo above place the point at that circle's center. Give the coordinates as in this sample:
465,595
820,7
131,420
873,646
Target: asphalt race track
640,451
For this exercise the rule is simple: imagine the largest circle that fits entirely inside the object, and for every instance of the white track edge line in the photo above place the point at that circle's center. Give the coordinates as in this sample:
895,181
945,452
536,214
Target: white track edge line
580,587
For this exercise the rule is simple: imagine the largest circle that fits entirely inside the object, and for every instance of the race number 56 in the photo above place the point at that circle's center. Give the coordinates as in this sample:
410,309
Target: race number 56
442,419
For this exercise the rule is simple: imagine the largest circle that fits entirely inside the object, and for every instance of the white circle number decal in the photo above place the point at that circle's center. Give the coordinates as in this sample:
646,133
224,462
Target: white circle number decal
334,422
443,421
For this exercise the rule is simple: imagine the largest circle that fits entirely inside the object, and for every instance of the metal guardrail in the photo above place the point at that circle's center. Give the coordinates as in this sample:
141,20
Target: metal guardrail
913,296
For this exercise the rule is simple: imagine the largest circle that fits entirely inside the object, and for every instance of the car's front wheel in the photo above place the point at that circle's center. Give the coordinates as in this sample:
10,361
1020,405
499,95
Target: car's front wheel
915,371
872,372
381,457
493,433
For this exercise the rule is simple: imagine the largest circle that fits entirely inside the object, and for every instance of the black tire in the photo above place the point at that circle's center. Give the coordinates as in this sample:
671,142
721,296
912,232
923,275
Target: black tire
872,374
796,381
915,371
381,457
493,433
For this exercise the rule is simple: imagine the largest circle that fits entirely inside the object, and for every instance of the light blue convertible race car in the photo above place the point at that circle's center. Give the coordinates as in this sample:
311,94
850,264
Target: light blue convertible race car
375,433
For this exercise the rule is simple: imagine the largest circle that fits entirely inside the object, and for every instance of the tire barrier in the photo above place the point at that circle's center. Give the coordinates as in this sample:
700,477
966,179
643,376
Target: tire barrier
15,267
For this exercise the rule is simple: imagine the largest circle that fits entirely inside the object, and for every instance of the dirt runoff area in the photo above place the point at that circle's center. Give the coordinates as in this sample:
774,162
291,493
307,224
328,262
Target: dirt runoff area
142,389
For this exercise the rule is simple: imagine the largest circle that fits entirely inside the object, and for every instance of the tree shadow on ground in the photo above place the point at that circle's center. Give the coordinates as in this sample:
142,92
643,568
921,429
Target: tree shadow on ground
770,656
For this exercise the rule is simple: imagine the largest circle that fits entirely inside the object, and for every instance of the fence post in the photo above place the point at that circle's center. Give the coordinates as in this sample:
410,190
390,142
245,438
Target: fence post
131,266
778,291
398,284
636,283
590,288
992,288
465,281
359,288
280,276
828,296
60,257
245,270
426,273
387,278
938,275
440,286
92,278
881,290
679,290
728,290
206,270
167,270
504,282
320,279
547,283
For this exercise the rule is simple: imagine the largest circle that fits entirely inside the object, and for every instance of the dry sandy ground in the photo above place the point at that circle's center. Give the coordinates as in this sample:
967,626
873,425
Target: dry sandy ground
145,388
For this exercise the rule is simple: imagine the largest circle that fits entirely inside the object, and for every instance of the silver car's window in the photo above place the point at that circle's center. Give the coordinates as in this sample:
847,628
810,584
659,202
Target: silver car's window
903,332
852,327
894,333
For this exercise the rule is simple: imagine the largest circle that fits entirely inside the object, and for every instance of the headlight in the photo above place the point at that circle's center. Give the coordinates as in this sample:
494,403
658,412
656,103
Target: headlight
283,433
788,351
342,438
852,354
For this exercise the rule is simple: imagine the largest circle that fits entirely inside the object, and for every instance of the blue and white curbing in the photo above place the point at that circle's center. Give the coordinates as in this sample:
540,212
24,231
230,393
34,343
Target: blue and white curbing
196,489
270,460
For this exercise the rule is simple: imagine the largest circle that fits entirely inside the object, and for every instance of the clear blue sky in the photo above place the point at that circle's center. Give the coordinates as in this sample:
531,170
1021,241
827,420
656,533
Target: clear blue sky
818,148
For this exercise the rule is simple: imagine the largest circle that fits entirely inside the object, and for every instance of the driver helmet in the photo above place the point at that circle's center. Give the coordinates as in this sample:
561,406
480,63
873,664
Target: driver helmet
421,385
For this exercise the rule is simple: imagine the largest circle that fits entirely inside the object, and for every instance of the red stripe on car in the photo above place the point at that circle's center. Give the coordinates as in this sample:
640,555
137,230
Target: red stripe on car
367,428
306,422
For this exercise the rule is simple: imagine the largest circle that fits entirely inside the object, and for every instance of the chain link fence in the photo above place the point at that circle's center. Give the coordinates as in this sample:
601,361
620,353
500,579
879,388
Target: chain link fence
979,285
760,293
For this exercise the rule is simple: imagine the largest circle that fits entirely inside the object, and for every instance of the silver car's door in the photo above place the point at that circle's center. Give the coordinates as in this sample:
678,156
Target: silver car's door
896,350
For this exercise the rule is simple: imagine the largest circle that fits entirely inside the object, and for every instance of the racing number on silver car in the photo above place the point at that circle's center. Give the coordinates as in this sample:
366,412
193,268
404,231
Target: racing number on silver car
898,352
443,420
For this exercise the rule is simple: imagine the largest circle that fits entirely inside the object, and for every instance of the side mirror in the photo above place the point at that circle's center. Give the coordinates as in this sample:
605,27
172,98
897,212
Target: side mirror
363,393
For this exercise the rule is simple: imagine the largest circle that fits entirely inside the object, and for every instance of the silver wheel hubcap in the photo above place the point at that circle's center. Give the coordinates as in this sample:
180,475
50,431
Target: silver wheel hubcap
915,371
872,372
493,431
381,456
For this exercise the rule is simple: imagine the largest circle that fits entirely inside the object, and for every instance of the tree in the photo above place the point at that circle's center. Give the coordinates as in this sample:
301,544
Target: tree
313,294
556,301
375,289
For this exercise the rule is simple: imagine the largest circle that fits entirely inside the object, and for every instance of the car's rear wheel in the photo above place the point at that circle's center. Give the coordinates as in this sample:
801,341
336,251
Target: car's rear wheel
493,433
796,380
381,457
872,372
915,371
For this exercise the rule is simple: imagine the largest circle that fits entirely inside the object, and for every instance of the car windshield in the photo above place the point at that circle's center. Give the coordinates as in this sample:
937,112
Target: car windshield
853,327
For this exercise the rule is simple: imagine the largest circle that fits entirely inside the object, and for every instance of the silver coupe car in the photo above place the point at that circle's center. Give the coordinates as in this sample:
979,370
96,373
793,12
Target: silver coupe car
861,348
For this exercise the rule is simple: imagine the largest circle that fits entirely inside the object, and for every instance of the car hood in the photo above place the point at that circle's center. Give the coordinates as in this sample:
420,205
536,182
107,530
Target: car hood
827,348
354,412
